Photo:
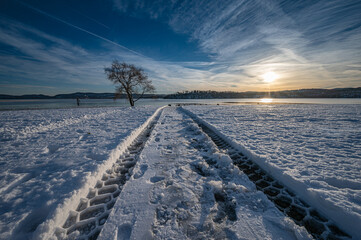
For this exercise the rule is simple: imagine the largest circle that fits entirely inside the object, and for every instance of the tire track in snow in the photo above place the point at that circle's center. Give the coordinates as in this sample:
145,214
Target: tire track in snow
87,220
183,188
44,128
284,199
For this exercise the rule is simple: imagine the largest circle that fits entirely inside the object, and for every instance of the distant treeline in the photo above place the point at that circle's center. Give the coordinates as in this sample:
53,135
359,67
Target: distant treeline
87,95
302,93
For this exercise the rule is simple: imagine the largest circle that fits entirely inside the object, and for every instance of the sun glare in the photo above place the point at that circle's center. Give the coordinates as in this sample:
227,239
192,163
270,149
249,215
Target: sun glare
269,77
266,100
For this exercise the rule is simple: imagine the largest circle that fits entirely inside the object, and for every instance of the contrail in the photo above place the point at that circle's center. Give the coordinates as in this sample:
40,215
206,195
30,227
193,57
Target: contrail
92,19
79,28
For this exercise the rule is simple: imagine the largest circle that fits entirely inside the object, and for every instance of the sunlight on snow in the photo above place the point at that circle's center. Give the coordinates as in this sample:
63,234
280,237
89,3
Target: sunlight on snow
266,100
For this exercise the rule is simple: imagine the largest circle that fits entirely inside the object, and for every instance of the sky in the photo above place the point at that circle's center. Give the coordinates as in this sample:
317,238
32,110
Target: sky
52,47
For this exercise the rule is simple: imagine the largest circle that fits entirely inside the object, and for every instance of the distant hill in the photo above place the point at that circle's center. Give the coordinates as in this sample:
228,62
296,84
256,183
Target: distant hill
81,95
302,93
33,96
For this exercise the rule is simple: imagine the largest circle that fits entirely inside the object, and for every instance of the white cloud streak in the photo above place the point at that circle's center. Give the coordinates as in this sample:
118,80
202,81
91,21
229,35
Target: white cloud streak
59,61
309,44
78,28
314,45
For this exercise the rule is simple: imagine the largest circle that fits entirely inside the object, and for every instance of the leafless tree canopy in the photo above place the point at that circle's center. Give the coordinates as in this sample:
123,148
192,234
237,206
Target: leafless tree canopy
130,80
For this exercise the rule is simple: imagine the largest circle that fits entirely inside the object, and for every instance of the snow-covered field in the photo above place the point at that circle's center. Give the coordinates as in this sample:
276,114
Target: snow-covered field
182,186
48,155
313,149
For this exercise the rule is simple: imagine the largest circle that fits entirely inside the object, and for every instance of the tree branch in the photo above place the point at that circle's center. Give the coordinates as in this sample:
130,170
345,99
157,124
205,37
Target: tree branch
140,96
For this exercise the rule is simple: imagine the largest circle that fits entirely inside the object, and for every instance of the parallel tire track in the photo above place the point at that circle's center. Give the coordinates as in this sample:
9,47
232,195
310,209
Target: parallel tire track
284,199
87,220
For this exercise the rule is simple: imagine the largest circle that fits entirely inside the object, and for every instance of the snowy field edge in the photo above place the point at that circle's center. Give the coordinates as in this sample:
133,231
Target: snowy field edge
47,229
344,219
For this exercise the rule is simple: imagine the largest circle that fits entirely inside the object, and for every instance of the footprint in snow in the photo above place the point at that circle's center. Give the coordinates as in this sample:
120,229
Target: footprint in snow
142,169
156,179
51,148
124,232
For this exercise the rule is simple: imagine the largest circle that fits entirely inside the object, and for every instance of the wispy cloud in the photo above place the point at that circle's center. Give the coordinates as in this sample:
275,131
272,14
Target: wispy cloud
314,44
45,59
308,44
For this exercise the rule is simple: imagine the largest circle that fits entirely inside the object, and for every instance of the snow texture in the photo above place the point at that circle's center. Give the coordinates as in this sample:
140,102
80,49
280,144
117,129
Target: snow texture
87,220
184,188
315,150
49,158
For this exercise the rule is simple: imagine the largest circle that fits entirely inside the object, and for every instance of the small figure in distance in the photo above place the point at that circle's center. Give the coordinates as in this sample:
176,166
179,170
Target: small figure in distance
78,101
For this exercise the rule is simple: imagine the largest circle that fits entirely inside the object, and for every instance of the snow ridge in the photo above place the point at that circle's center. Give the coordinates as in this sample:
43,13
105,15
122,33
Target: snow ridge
60,214
284,199
313,149
92,212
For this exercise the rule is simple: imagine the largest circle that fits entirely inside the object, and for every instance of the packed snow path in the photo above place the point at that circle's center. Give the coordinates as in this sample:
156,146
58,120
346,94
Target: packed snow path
183,187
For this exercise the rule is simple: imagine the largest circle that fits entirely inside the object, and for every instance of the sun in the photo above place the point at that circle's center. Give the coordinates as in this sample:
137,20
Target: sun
269,77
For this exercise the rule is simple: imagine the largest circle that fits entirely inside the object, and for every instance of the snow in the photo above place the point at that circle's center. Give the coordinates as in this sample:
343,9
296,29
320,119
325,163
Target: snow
184,188
49,158
313,149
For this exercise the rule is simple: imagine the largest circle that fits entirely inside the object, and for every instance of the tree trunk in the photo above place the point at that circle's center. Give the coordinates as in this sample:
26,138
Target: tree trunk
130,98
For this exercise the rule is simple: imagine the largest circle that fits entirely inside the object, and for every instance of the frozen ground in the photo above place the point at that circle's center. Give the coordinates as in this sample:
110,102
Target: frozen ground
179,184
48,156
313,149
184,188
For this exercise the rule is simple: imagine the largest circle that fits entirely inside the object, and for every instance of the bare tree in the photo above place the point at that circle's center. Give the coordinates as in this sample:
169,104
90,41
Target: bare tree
131,79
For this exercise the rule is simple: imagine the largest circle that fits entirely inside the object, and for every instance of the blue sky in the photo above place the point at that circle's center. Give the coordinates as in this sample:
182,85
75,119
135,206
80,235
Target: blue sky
53,47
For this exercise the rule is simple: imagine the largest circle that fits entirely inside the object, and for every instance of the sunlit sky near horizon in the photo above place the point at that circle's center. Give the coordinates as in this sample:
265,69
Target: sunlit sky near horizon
51,47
